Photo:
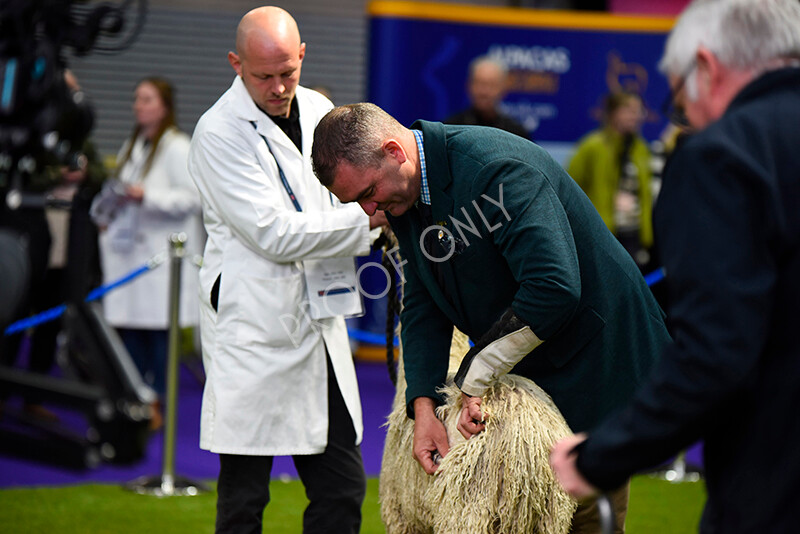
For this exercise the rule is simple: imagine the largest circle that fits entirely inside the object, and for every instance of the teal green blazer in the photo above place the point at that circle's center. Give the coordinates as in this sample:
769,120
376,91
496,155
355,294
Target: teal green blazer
524,237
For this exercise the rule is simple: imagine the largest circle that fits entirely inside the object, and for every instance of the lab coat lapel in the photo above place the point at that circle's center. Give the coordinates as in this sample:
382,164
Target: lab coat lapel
284,152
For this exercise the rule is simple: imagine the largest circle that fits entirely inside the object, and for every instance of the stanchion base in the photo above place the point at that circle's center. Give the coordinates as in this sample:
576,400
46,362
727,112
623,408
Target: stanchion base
677,472
164,486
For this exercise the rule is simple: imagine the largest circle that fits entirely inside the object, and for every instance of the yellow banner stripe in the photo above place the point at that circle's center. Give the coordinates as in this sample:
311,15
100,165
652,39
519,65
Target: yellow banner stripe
510,16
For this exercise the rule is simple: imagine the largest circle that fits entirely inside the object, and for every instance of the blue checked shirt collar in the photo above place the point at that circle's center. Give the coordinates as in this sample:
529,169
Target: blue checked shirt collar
425,192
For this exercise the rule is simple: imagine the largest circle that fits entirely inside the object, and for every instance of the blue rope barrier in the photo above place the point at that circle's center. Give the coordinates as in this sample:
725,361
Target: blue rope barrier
54,313
43,317
655,277
369,337
98,292
379,339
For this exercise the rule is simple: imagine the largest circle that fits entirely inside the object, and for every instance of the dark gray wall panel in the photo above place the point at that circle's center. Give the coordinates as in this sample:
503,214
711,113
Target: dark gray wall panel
187,41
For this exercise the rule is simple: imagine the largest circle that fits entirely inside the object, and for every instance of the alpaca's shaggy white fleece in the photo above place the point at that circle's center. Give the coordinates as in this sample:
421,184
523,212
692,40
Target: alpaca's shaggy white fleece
497,482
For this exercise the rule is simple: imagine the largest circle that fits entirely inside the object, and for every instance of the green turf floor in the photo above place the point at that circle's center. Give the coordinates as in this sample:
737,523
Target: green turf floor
656,507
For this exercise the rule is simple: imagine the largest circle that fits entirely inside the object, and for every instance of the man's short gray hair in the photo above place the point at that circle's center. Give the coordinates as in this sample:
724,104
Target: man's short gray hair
488,60
352,133
742,34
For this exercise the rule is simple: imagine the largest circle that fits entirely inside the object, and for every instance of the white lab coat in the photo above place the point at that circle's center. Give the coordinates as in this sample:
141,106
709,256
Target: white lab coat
266,385
170,204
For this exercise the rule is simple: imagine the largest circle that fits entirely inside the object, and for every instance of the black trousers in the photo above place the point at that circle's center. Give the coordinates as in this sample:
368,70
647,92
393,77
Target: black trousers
335,482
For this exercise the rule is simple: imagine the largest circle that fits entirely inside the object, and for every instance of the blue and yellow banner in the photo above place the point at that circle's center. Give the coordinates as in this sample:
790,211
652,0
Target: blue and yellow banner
560,63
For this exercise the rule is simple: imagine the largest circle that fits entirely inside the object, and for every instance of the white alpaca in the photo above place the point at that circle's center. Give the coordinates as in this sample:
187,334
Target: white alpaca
497,482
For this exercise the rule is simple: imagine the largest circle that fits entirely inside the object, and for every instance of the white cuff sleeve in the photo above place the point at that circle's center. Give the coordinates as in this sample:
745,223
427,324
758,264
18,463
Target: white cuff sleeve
497,359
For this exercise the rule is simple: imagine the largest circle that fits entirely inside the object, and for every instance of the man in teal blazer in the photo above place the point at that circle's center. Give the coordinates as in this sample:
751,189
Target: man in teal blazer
499,241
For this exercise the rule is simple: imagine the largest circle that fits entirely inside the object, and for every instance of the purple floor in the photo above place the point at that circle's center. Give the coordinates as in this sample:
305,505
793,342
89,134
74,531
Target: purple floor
191,462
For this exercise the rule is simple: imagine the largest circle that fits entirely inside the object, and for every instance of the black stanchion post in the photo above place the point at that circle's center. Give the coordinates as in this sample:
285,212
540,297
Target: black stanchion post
168,483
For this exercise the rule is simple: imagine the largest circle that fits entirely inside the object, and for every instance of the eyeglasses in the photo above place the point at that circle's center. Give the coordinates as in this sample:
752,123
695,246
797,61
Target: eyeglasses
675,113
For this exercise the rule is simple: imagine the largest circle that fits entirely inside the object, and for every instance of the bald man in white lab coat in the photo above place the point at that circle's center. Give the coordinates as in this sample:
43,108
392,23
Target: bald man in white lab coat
278,383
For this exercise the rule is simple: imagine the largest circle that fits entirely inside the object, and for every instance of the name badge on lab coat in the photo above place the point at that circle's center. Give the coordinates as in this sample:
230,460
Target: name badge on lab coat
332,288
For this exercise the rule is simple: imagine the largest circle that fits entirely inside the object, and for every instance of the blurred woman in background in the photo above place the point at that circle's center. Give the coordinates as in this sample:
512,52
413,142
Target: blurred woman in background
152,197
612,166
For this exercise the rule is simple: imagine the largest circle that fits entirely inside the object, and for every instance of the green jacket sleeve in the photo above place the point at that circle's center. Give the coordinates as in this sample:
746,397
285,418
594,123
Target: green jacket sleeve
535,239
426,352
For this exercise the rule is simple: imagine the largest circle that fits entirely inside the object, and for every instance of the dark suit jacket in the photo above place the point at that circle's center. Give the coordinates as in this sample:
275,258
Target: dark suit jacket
531,241
728,230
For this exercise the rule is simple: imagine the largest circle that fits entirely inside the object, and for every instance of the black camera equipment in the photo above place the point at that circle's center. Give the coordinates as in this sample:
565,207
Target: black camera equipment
44,122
